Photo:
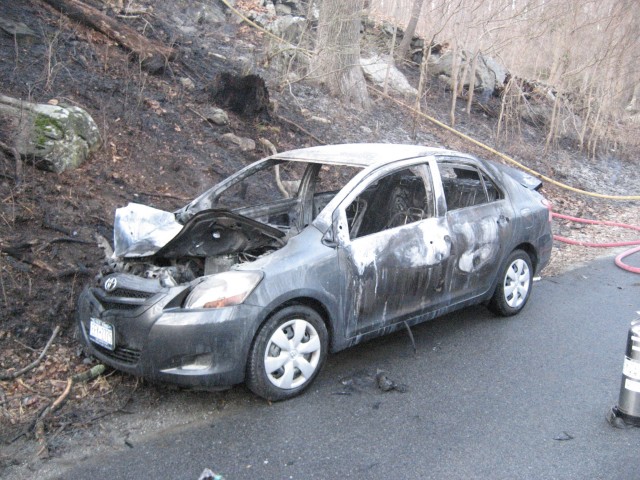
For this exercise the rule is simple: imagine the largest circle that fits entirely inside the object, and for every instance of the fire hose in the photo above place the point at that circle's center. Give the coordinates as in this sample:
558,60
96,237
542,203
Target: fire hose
618,259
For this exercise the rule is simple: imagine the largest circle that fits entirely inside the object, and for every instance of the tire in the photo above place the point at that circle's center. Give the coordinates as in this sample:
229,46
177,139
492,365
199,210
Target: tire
287,353
514,285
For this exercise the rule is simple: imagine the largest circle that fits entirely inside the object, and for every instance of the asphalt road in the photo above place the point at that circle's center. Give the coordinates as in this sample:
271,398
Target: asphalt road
488,398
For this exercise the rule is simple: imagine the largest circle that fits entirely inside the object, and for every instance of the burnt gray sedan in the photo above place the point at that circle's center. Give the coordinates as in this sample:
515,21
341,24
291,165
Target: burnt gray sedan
308,252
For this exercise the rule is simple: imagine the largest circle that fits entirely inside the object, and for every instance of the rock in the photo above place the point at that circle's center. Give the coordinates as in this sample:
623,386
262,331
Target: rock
245,144
386,384
187,83
282,9
16,29
375,70
315,118
417,43
289,28
490,74
56,137
210,14
216,115
288,7
499,71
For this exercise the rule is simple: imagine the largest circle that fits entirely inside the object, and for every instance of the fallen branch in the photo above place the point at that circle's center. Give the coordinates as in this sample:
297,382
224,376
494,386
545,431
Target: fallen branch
32,365
81,270
152,55
69,240
62,240
71,381
165,195
301,129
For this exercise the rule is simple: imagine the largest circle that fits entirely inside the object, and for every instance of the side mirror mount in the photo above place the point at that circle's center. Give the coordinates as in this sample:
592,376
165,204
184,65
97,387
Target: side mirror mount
327,239
338,234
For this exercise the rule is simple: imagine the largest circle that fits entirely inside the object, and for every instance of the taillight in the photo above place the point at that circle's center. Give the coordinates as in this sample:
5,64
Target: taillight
549,207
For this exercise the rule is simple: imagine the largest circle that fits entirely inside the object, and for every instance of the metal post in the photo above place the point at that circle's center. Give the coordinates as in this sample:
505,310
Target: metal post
627,412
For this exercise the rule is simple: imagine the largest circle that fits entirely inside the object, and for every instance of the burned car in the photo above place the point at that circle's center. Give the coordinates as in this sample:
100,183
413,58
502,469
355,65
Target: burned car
308,252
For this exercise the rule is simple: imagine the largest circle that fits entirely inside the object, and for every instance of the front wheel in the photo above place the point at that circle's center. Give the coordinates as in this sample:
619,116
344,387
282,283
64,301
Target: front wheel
514,285
287,353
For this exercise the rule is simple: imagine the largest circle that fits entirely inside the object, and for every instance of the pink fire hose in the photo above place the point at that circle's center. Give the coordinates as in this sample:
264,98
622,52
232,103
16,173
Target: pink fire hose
619,258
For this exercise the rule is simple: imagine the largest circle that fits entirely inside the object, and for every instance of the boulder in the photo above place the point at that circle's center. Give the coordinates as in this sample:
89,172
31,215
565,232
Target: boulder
245,144
490,74
375,70
216,115
55,137
288,27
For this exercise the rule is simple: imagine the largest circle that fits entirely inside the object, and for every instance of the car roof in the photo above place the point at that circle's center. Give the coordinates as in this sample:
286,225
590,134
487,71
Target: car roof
361,154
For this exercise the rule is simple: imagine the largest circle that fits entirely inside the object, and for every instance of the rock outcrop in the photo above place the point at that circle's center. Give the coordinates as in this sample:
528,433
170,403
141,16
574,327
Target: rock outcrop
54,137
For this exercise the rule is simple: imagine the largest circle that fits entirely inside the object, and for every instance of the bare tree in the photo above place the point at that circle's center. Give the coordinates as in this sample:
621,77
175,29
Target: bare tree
410,31
337,62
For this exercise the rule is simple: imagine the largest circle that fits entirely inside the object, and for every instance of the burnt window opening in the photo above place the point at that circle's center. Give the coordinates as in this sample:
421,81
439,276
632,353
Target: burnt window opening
329,181
284,194
397,199
277,181
465,186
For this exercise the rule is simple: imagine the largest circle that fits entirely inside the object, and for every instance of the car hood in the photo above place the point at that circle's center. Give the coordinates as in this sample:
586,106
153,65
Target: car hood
142,231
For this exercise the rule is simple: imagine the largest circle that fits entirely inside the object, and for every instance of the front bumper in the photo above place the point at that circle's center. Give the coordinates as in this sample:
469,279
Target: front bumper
153,339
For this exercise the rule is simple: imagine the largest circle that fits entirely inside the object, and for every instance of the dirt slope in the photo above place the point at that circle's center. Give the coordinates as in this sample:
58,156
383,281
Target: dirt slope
158,150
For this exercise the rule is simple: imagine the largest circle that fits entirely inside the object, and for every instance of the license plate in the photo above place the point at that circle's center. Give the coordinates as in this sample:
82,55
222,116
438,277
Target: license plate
102,333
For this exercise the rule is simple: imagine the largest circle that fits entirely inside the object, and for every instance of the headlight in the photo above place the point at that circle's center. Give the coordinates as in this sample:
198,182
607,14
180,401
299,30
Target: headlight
223,290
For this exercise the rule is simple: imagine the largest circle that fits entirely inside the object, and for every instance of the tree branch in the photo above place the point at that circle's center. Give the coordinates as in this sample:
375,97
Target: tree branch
152,55
31,366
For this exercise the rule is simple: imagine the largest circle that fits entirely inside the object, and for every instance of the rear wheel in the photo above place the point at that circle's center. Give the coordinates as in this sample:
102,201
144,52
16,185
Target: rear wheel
514,285
287,353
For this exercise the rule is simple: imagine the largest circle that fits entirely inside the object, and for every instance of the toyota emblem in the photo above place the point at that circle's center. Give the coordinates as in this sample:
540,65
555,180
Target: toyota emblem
110,284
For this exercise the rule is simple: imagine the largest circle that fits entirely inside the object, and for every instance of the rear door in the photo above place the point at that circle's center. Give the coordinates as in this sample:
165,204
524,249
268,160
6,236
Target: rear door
480,219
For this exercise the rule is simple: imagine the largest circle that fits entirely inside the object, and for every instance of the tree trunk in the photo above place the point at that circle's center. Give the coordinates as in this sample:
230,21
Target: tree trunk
410,31
152,55
455,70
338,50
472,81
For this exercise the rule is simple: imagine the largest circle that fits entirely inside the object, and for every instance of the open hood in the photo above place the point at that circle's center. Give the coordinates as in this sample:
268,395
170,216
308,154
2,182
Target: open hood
142,231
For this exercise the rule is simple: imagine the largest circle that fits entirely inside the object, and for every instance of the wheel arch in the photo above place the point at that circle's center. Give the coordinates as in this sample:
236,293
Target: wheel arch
319,307
526,248
531,251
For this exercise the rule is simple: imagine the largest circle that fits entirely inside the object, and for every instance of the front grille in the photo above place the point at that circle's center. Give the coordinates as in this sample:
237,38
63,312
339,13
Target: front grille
119,306
128,293
121,354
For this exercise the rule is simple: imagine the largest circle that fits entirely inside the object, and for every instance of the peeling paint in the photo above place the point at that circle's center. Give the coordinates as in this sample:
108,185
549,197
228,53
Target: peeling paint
481,239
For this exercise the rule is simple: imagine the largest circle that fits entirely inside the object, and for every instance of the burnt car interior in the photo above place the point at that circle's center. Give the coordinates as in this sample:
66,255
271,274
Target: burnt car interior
465,187
394,200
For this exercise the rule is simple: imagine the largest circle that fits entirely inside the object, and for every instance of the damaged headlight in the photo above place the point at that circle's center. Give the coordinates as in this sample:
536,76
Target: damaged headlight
223,290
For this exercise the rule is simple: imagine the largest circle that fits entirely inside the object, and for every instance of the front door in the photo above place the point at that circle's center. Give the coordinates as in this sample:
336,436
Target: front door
396,253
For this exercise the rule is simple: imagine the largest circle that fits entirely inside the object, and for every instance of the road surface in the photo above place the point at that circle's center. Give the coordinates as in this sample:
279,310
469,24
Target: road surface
487,398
